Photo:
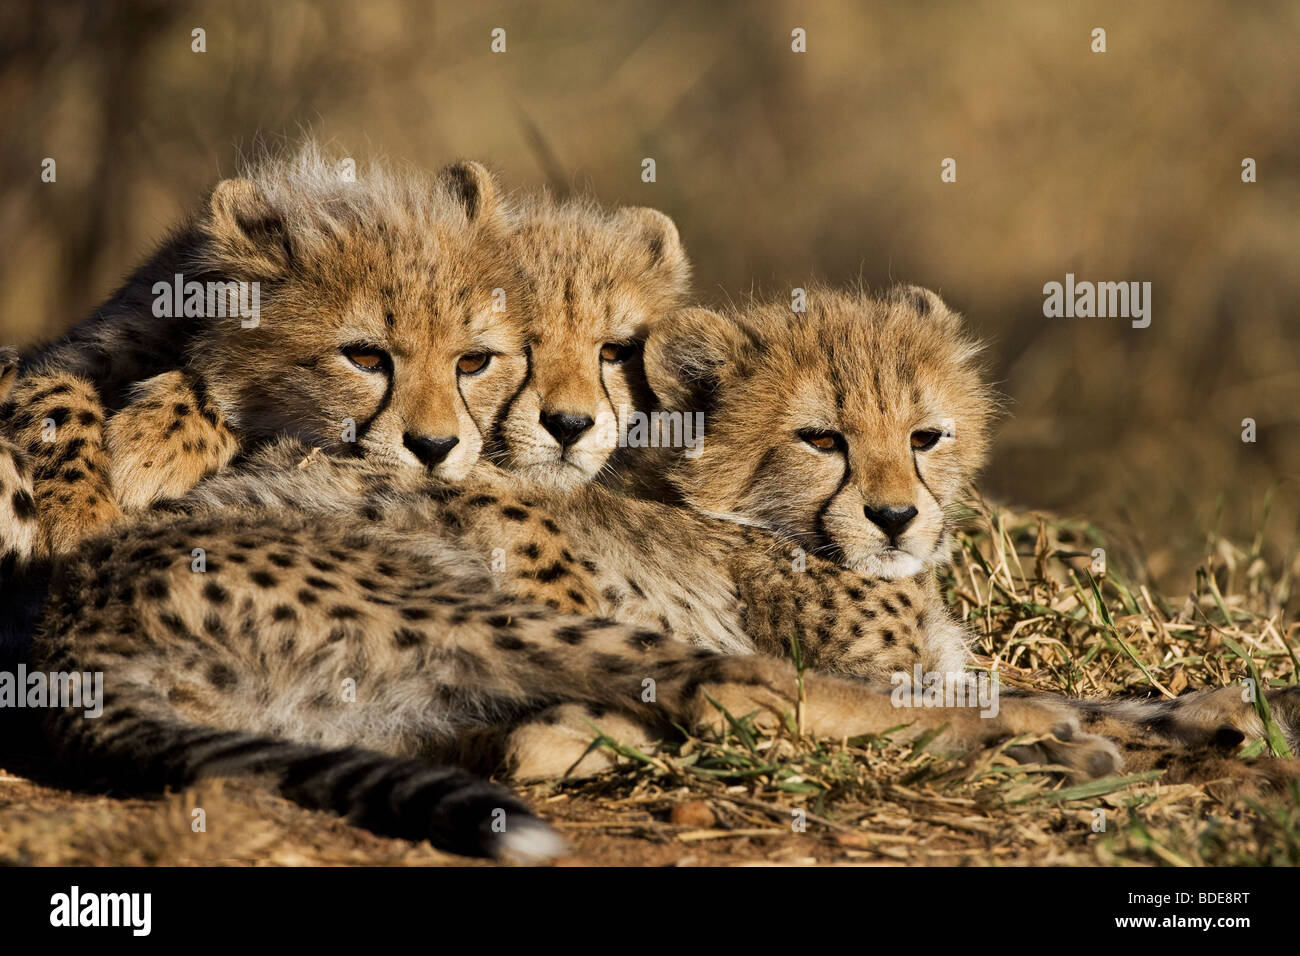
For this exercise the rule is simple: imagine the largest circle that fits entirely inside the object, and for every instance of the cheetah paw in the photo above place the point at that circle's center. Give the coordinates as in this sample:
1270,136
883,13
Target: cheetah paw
1085,756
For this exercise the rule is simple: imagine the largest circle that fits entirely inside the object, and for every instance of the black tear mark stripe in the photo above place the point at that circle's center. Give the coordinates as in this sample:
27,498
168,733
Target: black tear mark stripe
363,428
916,468
498,427
834,552
469,413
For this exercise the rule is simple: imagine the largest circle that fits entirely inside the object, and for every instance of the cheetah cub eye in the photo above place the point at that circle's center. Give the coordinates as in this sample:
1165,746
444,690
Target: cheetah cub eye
368,358
926,438
472,363
823,439
617,352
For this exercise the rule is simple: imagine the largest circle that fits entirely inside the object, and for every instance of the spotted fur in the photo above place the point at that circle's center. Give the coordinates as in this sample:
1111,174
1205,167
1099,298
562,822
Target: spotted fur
339,659
412,270
19,527
318,569
698,572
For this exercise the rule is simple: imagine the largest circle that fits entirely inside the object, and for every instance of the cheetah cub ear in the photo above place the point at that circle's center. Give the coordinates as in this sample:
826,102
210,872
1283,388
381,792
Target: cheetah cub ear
245,230
472,186
663,244
692,352
926,305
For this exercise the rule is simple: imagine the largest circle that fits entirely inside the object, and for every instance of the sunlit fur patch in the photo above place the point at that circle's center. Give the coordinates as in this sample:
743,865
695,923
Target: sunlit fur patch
592,277
871,369
415,266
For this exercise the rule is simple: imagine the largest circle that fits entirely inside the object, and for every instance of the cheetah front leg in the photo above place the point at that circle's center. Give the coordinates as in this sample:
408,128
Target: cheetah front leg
18,524
701,688
56,420
837,707
86,473
558,742
165,440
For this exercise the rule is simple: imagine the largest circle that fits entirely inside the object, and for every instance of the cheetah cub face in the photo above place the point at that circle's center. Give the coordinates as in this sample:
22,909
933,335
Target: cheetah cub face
391,318
597,281
852,428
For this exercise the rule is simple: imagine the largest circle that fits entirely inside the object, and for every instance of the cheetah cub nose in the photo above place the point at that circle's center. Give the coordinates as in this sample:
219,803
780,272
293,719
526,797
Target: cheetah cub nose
430,451
566,428
892,521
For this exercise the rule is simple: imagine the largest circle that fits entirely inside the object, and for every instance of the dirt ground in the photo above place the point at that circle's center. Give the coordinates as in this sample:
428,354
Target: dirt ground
937,813
245,825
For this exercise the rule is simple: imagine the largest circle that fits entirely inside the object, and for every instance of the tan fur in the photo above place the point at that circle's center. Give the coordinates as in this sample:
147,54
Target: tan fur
701,580
57,422
165,441
595,279
398,262
340,255
318,568
709,583
8,370
412,268
560,742
872,371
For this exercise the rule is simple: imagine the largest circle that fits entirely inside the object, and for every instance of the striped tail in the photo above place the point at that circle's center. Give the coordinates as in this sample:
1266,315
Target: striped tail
412,799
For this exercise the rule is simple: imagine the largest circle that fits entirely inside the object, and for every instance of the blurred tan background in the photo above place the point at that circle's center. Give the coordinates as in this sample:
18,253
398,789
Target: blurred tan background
1117,166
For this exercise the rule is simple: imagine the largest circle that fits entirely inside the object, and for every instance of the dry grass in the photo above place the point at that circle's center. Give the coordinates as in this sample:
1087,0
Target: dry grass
1024,585
1056,609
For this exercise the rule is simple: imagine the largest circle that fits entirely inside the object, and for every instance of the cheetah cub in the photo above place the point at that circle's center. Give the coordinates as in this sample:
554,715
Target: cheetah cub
346,663
598,282
852,429
389,323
